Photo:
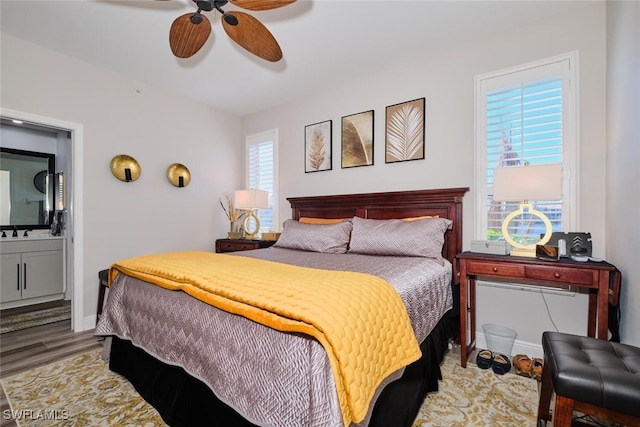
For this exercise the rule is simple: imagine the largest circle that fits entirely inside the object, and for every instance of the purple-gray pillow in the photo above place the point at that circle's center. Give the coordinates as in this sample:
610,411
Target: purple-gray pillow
422,237
327,238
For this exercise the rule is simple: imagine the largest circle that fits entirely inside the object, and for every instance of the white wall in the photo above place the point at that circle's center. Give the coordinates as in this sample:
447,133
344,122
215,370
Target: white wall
122,116
446,80
623,157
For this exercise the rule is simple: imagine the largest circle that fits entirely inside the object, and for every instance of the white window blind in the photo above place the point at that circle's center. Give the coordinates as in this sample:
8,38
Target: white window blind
261,173
525,115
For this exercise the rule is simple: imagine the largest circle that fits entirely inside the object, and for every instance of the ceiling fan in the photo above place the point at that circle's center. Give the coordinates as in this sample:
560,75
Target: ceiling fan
190,31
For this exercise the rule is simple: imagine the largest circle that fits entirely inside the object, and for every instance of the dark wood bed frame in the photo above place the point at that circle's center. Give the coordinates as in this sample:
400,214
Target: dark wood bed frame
445,203
183,400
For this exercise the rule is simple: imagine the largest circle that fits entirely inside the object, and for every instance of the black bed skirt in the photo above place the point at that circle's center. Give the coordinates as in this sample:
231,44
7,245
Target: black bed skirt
183,400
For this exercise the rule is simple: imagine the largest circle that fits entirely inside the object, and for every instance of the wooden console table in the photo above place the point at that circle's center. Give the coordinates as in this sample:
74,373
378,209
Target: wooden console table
600,278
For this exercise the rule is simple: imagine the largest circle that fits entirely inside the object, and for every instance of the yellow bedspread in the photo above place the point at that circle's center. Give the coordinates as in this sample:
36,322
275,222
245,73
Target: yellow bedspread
358,318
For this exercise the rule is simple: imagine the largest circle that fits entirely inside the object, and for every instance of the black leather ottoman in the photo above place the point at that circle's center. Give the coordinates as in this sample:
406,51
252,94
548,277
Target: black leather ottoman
591,376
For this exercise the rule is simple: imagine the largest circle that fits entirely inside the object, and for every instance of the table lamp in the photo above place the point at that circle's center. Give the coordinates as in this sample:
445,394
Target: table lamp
250,200
524,183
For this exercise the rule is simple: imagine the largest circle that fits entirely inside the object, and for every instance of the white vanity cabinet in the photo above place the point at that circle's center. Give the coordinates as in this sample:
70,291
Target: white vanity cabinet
31,271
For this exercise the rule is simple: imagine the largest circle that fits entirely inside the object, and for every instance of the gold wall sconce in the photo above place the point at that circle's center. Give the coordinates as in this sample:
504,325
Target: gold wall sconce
125,168
178,175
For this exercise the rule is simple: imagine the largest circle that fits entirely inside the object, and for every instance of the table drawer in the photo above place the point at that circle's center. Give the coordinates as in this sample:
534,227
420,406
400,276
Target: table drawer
235,246
559,274
494,269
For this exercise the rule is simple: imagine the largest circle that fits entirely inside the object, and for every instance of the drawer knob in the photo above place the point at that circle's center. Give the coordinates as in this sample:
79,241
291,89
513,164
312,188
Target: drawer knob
495,269
556,275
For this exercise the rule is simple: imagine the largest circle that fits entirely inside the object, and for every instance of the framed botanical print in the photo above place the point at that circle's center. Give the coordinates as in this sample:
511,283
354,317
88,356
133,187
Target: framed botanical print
317,147
405,131
357,139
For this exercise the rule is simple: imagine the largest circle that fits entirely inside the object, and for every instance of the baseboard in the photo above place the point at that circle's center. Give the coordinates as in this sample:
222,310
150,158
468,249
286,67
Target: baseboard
89,322
519,347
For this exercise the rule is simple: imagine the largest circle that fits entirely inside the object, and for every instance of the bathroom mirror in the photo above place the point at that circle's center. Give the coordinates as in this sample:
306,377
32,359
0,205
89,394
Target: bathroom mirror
26,189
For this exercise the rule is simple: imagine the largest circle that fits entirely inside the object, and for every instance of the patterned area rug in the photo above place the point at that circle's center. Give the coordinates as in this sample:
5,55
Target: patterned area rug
82,391
476,397
15,322
79,391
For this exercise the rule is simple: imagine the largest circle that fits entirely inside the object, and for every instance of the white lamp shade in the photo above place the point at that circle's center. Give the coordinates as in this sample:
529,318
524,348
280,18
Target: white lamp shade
532,182
251,199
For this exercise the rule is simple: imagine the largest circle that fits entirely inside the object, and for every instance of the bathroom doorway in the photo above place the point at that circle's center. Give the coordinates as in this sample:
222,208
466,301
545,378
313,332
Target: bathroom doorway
68,149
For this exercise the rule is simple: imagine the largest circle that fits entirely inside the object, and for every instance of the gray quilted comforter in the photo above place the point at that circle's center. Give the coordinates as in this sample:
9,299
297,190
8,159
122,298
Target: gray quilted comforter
271,378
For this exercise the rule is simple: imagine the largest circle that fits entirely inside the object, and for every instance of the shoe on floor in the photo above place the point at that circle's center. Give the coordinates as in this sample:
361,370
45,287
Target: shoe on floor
501,364
484,359
523,365
536,370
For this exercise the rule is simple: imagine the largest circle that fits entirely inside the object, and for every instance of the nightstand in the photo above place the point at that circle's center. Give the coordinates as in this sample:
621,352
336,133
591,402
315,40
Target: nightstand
235,245
600,279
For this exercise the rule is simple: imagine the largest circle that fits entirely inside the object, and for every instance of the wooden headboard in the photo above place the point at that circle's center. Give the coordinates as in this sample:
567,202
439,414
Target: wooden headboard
445,203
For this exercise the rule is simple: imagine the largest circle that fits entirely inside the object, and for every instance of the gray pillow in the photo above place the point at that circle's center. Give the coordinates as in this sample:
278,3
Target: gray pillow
327,238
422,237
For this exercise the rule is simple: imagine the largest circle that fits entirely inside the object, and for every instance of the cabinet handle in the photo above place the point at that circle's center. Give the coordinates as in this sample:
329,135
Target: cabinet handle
556,275
495,269
25,276
18,281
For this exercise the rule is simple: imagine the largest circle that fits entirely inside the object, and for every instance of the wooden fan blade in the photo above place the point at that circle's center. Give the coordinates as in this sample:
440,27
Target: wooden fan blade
186,38
253,36
261,4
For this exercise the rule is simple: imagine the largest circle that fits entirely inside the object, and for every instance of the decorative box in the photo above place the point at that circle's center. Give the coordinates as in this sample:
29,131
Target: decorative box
490,247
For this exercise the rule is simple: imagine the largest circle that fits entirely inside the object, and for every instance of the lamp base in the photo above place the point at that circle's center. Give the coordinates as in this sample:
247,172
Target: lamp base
254,237
519,249
251,234
529,253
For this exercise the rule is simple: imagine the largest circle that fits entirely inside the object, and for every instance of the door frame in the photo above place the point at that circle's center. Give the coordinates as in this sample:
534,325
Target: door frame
74,210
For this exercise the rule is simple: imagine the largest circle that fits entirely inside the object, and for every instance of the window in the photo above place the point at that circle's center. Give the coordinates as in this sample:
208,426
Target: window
261,169
526,114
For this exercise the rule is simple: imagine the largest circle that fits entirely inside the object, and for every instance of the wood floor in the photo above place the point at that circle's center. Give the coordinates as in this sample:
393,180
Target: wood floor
37,346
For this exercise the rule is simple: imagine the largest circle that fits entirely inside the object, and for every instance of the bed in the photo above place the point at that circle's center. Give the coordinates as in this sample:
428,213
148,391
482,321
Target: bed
176,349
